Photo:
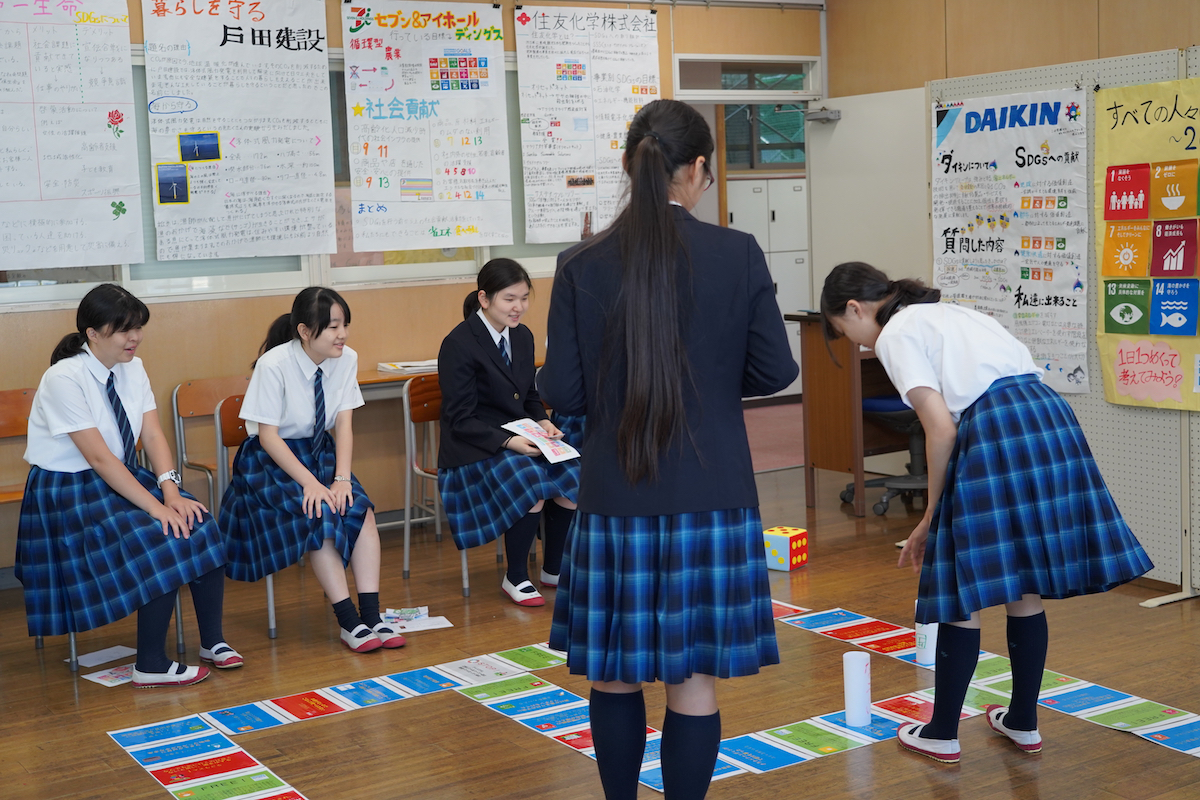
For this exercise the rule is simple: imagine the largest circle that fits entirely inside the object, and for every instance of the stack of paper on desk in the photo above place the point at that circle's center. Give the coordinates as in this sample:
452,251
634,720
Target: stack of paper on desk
408,367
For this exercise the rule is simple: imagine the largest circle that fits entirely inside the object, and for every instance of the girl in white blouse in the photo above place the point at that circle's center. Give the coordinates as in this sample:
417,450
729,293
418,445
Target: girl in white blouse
1017,508
292,490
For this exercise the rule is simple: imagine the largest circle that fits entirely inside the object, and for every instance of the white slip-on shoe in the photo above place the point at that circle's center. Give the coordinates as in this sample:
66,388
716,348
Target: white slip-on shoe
222,656
361,640
1027,741
523,594
946,751
176,675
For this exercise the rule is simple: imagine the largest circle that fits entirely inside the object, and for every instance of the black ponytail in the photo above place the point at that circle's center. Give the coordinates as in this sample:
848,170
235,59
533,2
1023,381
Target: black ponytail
495,276
651,313
107,309
855,280
310,308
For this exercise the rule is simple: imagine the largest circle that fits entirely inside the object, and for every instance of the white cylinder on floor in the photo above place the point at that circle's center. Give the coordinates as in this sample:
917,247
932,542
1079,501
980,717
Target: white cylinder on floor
856,675
927,634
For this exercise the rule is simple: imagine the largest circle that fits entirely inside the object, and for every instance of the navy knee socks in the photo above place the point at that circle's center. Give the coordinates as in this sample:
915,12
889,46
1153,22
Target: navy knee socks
558,522
517,541
689,753
619,735
208,598
957,655
1028,638
152,621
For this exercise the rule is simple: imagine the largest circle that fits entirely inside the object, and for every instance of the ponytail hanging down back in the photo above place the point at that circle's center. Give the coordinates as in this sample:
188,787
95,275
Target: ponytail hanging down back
855,280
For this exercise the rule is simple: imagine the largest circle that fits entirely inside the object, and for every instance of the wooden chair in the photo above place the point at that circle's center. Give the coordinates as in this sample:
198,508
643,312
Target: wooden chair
194,400
231,432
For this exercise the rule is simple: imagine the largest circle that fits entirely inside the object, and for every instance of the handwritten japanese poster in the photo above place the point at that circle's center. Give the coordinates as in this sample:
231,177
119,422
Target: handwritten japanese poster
68,149
241,139
1146,189
426,125
583,74
1010,221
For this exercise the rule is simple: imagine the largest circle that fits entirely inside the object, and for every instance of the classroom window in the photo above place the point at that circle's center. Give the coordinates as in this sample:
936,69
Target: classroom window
734,79
767,137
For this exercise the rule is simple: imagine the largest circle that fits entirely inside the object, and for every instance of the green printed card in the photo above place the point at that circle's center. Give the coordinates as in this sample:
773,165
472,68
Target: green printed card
1050,680
229,788
991,668
814,739
1138,715
1127,306
515,685
532,657
978,697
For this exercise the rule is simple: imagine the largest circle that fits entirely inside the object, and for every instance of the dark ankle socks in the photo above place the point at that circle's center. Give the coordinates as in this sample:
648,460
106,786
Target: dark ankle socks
689,753
1028,638
208,598
152,621
957,655
558,522
346,615
619,735
517,541
368,608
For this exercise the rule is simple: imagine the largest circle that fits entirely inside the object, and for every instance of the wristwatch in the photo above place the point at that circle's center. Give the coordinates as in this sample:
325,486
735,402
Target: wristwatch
338,478
170,475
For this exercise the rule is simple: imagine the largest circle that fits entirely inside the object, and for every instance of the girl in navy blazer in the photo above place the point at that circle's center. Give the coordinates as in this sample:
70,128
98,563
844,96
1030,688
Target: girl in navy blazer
658,328
491,481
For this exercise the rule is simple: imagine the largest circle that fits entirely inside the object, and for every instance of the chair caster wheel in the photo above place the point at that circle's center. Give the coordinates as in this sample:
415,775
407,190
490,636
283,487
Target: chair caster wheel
847,495
880,509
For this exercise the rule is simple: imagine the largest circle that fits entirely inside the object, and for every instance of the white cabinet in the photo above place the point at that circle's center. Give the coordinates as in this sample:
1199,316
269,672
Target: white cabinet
790,271
788,199
750,210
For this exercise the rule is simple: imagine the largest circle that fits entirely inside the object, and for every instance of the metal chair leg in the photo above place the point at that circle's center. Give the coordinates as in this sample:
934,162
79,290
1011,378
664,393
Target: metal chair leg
466,579
38,643
74,653
500,549
408,479
180,647
271,606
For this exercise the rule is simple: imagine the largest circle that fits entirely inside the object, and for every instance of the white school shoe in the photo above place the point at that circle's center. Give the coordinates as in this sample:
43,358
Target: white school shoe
361,640
222,656
548,580
176,675
523,594
946,751
390,637
1026,741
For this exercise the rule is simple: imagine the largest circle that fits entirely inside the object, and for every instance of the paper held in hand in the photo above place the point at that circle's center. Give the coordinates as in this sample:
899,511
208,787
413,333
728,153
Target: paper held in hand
554,450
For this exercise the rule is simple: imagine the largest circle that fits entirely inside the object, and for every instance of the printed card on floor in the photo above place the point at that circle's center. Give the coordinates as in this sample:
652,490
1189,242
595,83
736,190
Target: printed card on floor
577,740
211,767
479,669
518,685
231,788
361,694
891,645
424,681
756,755
653,752
101,656
306,705
991,666
531,657
557,720
976,698
879,729
1052,682
813,739
1184,737
861,630
825,619
910,707
203,745
288,794
246,718
652,776
113,676
159,731
1086,698
782,609
530,703
1143,714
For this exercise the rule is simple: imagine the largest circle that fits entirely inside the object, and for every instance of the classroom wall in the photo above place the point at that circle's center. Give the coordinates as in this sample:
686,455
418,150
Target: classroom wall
884,45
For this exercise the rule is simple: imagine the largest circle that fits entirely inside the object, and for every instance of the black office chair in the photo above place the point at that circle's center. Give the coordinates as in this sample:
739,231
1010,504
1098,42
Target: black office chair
891,411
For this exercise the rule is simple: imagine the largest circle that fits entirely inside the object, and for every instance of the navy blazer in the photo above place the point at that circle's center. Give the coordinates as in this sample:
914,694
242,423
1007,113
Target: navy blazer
736,345
480,392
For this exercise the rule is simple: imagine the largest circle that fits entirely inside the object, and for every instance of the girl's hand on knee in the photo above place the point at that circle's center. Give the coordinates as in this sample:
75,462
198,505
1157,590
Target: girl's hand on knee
192,511
173,523
519,444
314,495
343,496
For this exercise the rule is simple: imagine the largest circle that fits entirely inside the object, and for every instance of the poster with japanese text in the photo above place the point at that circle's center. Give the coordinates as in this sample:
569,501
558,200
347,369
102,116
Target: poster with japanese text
1146,189
1010,221
426,125
241,138
583,73
69,193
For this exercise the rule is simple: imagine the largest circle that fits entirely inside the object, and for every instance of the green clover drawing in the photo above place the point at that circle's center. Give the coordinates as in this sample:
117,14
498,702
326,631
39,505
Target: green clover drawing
118,209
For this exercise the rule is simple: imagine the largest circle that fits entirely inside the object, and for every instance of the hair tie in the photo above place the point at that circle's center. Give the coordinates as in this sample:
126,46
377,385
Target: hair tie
654,136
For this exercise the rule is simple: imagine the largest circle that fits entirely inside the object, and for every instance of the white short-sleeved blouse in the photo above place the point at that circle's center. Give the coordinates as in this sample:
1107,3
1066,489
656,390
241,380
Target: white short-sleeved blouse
281,390
954,350
73,396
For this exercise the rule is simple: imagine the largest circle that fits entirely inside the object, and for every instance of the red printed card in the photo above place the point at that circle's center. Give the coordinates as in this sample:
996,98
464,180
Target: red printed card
892,644
205,768
871,628
911,706
307,705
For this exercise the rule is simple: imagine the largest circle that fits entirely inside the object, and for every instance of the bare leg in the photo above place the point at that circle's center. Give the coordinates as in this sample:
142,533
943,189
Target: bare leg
364,561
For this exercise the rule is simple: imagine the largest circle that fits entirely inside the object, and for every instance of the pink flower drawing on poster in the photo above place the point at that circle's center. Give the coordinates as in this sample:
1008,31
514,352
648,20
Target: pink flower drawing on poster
115,118
1145,370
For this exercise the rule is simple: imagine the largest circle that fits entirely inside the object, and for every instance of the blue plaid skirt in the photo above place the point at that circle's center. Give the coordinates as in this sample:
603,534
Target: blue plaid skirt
262,512
1024,510
87,556
663,598
572,427
486,498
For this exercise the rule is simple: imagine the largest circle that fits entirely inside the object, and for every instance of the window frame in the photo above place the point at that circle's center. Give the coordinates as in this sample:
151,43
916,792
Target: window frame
812,81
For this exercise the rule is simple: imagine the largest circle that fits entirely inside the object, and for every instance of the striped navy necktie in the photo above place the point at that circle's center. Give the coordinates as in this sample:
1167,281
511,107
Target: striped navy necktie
319,417
122,424
504,352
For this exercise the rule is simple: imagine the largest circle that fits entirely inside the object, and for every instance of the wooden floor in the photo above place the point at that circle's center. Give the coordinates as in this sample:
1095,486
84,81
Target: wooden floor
52,725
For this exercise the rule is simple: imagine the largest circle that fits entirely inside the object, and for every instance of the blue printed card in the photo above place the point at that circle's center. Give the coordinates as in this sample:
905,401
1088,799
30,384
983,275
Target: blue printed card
147,734
1185,737
243,719
1173,306
757,755
880,728
365,693
557,720
189,748
1084,699
424,681
824,619
510,707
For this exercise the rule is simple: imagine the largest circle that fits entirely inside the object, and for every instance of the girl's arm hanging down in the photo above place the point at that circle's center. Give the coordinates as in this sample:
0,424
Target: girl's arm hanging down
314,492
941,433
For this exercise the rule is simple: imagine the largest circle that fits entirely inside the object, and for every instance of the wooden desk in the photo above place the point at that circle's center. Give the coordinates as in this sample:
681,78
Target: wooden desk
376,385
836,435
